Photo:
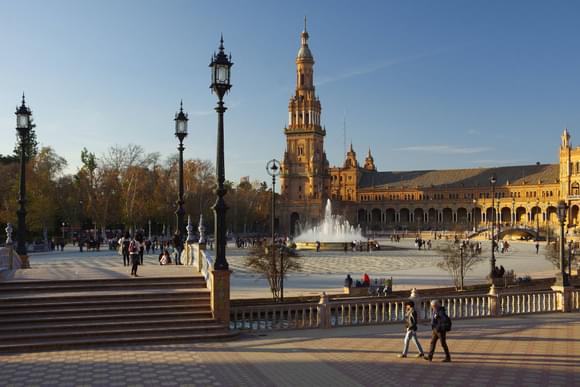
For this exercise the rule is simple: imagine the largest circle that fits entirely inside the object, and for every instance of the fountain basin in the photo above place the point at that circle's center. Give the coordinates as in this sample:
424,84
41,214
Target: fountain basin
324,246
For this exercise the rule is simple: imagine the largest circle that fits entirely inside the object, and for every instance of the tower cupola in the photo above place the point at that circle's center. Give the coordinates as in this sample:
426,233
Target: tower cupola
369,162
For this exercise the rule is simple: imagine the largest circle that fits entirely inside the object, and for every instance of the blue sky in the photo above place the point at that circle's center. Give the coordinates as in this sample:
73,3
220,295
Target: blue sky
425,84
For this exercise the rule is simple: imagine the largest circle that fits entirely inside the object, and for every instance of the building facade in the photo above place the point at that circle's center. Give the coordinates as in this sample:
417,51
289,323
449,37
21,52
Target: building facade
524,196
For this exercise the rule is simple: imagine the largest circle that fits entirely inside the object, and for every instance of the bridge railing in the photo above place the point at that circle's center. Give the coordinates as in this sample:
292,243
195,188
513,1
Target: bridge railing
285,316
378,311
520,303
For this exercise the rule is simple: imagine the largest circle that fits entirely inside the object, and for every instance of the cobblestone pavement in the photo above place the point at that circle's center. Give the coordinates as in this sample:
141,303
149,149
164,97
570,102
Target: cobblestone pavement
324,271
533,350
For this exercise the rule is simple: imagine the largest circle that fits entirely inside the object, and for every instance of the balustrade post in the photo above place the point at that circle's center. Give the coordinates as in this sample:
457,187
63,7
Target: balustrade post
493,303
563,297
220,295
323,309
418,304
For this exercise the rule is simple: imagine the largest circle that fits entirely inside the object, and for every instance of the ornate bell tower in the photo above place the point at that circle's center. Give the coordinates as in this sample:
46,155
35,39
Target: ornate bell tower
304,170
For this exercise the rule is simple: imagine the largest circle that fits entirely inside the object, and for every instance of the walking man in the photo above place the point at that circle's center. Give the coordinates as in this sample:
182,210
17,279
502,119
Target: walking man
411,330
440,325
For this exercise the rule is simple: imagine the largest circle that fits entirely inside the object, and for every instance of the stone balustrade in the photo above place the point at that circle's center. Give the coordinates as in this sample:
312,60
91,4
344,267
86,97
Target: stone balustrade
376,311
536,302
281,316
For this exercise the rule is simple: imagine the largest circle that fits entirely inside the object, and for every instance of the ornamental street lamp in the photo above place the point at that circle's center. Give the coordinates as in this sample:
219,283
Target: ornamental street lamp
273,169
562,278
24,125
570,245
180,132
498,217
513,211
461,251
537,220
220,75
473,214
492,181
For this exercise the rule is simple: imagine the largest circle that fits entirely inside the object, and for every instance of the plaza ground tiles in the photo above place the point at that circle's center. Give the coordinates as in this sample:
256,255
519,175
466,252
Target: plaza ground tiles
532,350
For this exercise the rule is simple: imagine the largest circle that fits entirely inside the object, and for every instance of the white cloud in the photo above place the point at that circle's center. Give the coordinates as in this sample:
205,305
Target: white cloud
444,149
374,67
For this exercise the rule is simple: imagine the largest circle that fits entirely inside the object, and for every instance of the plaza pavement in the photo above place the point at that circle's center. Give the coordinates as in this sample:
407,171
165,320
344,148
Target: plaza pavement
532,350
324,271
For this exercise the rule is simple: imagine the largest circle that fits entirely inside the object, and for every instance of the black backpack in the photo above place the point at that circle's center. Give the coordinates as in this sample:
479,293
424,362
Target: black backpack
444,321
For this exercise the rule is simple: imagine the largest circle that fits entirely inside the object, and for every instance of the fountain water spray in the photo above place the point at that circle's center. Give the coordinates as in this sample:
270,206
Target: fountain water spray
333,229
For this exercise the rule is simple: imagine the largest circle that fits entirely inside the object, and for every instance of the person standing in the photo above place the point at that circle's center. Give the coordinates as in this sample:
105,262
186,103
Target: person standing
178,246
139,238
440,325
411,330
124,245
134,247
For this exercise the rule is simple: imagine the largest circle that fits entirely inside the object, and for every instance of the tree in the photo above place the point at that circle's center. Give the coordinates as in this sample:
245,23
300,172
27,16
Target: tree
262,261
31,150
552,254
451,262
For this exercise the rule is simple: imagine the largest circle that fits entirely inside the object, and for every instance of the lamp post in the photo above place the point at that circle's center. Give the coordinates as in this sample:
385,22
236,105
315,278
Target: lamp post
492,181
513,212
220,70
461,250
473,214
273,169
570,244
180,132
498,217
537,220
562,278
24,125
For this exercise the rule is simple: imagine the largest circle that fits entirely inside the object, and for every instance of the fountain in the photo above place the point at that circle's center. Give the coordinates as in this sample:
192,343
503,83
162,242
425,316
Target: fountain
332,233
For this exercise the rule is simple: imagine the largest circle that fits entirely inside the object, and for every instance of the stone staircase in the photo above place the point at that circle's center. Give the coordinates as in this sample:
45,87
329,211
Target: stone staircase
42,315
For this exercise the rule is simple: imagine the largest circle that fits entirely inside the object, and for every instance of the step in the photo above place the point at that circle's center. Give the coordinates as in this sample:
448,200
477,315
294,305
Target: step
96,300
94,334
82,286
7,332
201,313
104,310
48,344
98,281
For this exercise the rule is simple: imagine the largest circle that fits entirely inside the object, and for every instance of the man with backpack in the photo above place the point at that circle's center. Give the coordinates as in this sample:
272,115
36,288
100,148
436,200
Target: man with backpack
411,329
440,324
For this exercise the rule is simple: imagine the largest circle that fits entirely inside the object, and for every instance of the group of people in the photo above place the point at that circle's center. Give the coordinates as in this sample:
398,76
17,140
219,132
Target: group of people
378,287
421,243
440,325
133,248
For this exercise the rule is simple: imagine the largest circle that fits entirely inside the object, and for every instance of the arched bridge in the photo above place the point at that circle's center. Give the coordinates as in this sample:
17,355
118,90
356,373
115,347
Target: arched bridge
523,232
